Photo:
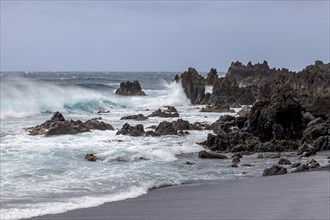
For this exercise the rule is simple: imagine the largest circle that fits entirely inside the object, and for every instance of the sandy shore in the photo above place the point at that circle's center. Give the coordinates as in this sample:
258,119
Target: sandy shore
292,196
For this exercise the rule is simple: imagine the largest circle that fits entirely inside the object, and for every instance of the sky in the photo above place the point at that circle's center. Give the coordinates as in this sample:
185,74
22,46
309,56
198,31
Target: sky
109,35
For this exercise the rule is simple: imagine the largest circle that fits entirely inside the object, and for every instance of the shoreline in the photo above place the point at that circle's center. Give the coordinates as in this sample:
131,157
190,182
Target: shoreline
302,195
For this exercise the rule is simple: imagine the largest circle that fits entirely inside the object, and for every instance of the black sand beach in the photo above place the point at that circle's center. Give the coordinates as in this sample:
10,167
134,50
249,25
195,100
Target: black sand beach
292,196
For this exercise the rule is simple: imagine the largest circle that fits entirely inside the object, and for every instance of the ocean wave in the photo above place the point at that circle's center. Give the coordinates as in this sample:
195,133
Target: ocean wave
23,98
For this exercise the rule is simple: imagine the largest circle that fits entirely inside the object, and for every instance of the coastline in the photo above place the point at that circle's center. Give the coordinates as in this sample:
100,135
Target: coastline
302,195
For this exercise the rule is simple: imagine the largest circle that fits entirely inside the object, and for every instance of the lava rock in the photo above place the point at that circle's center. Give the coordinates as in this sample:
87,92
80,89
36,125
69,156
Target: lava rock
284,161
138,117
136,130
275,170
130,89
210,155
91,157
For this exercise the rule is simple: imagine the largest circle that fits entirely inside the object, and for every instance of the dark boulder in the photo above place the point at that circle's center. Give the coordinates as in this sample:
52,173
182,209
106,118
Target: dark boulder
136,130
166,128
91,157
130,89
275,170
301,168
312,164
164,114
295,165
236,160
138,117
210,155
209,108
94,124
284,161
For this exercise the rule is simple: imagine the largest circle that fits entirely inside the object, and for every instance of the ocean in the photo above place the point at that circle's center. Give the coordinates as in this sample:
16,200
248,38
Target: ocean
47,175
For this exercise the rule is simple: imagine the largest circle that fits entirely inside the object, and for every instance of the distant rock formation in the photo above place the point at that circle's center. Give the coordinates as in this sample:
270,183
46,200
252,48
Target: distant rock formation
130,89
245,84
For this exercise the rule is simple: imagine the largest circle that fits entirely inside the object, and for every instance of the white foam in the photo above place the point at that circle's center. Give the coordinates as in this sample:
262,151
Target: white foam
70,204
21,97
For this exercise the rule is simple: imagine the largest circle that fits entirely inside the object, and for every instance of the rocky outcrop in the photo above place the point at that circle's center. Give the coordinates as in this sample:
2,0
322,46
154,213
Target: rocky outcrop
278,118
226,92
211,155
164,114
130,89
168,128
212,77
138,117
94,124
59,126
134,131
193,85
91,157
275,170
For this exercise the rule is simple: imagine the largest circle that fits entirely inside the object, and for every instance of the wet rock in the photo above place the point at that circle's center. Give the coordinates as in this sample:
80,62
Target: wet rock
189,163
321,143
181,124
166,128
91,157
295,165
314,131
280,118
59,126
284,161
130,89
211,155
171,109
312,164
94,124
301,168
236,160
275,170
193,85
138,117
234,165
136,130
57,116
163,114
233,142
306,150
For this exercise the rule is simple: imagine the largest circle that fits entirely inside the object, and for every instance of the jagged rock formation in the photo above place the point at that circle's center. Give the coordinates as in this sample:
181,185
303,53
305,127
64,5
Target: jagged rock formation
57,125
130,89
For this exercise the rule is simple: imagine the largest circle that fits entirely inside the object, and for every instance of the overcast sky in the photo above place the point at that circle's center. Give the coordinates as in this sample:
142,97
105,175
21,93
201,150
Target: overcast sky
161,35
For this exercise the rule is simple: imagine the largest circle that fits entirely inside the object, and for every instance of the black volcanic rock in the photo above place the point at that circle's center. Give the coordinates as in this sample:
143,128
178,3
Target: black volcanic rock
138,117
59,126
278,118
275,170
130,89
211,155
164,114
212,77
193,85
135,131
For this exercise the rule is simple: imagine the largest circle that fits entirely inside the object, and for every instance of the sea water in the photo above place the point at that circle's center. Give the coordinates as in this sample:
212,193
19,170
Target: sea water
46,175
